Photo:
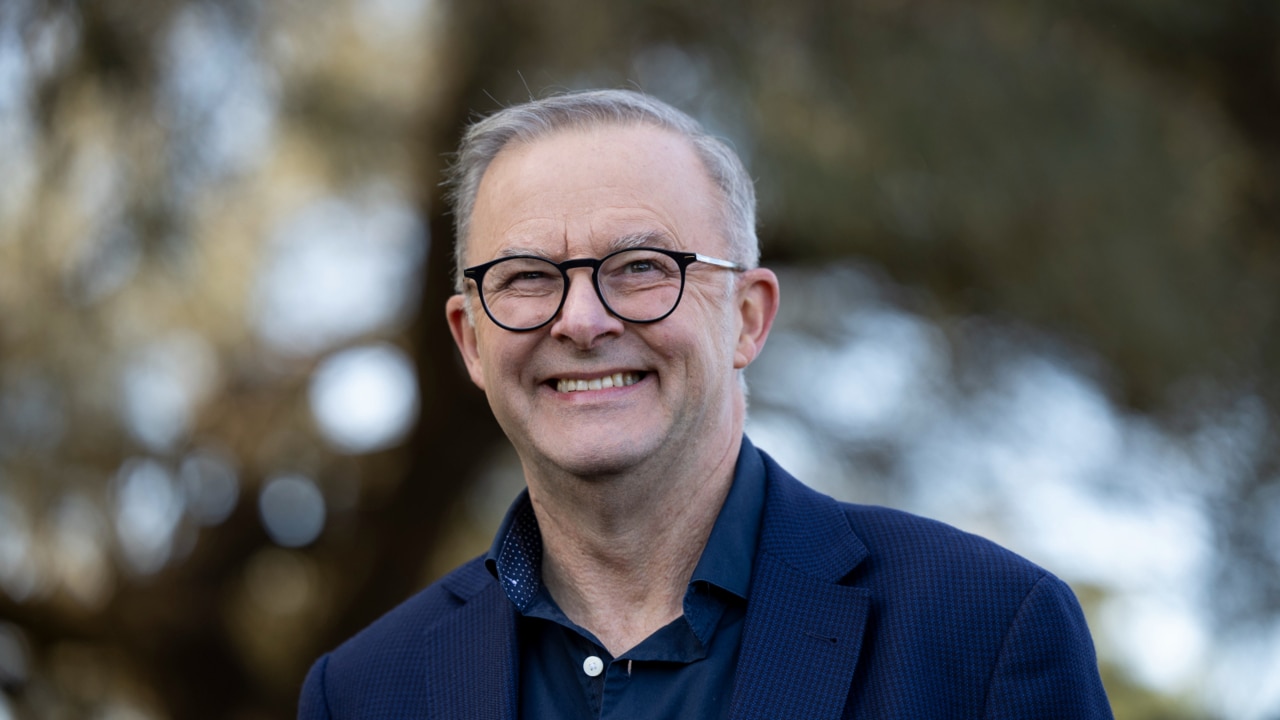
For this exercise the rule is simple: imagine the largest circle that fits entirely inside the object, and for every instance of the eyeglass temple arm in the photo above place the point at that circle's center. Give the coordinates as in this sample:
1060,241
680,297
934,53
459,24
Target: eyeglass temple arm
717,262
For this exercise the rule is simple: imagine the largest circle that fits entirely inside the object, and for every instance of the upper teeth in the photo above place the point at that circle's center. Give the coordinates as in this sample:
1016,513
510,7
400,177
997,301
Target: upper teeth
608,381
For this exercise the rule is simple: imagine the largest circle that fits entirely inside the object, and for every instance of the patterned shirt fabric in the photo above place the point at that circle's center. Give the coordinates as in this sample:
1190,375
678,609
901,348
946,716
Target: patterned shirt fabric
685,669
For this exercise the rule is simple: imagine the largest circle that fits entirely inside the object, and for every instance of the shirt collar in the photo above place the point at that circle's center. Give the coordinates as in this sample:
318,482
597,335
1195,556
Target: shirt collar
515,557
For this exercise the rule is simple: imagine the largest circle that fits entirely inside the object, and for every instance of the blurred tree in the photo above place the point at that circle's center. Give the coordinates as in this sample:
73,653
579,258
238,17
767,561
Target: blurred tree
1107,171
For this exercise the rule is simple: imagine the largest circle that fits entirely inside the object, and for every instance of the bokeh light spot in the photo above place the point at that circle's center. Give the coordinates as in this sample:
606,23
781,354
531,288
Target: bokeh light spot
280,582
292,510
337,268
18,571
365,398
148,508
163,387
79,542
32,411
210,485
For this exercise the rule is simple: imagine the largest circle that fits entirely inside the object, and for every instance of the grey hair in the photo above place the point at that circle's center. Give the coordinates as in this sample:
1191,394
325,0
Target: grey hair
530,121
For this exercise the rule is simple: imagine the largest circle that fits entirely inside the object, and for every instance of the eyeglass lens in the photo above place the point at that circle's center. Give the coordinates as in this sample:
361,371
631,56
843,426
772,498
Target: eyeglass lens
637,285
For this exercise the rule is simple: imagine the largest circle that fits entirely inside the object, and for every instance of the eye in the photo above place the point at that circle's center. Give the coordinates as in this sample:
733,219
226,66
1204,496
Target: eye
531,281
639,266
522,276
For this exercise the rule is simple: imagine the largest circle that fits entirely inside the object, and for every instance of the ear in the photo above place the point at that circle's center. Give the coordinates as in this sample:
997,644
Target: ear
464,335
758,306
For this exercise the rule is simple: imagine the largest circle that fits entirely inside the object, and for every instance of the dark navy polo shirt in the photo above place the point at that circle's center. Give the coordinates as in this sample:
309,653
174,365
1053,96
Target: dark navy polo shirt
682,670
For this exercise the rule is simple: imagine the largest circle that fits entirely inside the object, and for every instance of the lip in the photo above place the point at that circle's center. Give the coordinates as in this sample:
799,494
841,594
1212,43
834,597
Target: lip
592,374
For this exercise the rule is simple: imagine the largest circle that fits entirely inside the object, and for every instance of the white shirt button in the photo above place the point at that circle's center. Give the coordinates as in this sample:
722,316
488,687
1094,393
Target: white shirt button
592,666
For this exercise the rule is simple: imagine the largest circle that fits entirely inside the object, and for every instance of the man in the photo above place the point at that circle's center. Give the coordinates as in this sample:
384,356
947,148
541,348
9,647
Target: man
659,566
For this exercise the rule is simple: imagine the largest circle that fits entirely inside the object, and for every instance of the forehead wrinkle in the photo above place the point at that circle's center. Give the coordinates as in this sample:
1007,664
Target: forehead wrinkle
646,238
514,244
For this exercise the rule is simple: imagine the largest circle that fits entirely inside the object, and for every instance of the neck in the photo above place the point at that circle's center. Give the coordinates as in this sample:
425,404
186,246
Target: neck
618,552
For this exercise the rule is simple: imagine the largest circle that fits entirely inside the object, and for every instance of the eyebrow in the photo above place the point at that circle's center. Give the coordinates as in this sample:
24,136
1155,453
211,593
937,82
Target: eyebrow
641,239
516,250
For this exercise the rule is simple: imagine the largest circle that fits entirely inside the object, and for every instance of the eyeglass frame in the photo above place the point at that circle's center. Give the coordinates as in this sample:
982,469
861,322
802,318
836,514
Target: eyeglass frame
683,260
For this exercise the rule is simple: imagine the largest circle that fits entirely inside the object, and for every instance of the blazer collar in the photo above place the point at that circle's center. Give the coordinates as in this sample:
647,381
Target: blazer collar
803,630
800,644
806,529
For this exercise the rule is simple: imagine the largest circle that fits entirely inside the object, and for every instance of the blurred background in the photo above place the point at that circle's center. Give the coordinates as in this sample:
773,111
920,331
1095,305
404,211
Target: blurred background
1030,258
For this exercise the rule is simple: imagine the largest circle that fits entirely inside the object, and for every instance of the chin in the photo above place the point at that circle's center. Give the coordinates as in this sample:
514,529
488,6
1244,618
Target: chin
594,457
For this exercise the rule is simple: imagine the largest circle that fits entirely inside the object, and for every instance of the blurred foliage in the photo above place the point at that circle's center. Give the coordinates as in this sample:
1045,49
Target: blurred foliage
1132,701
1108,172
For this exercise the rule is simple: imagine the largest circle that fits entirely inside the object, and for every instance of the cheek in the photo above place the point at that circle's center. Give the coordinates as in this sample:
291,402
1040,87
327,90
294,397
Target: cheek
488,358
700,348
492,358
716,334
503,356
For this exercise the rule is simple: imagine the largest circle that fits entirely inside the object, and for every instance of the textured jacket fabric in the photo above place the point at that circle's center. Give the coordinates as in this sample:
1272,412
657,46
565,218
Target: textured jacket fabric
853,612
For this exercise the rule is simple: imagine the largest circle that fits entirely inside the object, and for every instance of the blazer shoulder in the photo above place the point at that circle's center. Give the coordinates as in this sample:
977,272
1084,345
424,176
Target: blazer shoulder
431,656
402,628
932,562
906,537
883,544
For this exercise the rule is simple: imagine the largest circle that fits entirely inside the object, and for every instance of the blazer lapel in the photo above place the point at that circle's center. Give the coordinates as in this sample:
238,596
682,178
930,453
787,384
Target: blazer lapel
803,629
799,648
478,681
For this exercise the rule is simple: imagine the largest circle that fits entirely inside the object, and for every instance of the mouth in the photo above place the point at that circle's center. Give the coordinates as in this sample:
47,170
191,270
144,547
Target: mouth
620,379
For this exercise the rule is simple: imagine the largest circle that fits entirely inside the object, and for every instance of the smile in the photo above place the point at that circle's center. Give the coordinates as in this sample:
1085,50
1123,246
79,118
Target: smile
622,379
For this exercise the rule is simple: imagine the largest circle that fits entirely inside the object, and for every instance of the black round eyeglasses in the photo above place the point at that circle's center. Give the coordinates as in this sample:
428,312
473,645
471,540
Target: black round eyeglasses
640,285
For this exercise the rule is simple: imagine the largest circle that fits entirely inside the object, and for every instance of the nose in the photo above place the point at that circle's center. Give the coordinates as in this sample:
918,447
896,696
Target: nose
584,320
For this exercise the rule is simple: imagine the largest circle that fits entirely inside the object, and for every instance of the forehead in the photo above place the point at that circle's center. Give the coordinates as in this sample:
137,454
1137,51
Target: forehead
579,191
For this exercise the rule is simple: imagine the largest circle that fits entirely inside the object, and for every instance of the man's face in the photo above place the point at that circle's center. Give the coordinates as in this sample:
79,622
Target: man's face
586,193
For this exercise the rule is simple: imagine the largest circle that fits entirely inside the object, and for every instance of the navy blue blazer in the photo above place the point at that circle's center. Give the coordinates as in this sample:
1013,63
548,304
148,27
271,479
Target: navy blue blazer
853,612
